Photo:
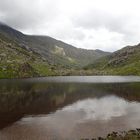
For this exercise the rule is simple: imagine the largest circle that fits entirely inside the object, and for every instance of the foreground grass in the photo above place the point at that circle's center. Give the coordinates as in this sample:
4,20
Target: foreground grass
130,135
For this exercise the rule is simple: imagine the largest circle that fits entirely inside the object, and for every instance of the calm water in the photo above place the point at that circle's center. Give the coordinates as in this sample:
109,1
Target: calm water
68,108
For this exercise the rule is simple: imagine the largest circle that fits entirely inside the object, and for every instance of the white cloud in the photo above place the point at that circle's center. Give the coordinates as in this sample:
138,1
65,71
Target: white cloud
102,109
90,24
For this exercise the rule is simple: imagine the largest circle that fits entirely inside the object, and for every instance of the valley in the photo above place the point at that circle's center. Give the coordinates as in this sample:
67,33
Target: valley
24,56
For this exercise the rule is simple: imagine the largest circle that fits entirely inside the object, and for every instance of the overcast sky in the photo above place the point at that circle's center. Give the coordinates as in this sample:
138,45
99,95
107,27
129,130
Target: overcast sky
92,24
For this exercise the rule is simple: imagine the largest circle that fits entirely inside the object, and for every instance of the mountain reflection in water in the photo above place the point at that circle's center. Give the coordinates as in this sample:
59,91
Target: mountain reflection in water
39,110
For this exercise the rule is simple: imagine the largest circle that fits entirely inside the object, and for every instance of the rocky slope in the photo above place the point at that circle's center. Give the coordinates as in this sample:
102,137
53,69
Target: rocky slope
17,62
122,62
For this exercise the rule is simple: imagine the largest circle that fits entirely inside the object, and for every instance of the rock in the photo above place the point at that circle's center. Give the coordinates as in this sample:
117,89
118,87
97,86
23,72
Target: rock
2,55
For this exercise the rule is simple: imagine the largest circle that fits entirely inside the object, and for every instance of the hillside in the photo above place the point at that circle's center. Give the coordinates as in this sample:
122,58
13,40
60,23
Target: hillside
17,62
122,62
56,52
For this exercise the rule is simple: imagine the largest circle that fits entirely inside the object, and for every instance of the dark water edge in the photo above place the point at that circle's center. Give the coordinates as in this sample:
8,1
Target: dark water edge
38,107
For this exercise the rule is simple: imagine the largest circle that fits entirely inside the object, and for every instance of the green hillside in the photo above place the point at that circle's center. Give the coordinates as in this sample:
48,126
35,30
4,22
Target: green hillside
16,62
122,62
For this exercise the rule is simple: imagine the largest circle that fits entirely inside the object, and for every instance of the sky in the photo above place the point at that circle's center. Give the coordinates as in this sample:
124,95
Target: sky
91,24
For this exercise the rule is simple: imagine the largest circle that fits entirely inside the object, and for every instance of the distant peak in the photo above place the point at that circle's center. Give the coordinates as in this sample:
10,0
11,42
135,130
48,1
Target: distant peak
101,51
3,24
98,50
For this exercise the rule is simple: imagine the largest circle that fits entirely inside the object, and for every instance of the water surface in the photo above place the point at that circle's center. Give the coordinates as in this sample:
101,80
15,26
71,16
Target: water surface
65,108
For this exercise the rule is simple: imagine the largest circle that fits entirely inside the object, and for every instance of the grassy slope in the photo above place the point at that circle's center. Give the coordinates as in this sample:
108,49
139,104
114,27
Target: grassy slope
16,62
123,62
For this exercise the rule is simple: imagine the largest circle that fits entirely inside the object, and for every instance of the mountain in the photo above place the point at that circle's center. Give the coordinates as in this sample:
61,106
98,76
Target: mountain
31,56
56,52
125,61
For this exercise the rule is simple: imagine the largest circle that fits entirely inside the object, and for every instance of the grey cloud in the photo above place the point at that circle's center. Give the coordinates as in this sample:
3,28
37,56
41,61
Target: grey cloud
100,19
125,24
26,14
85,24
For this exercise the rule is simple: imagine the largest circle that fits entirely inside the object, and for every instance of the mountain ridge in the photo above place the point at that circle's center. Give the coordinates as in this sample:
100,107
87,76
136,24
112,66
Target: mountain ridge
34,56
50,48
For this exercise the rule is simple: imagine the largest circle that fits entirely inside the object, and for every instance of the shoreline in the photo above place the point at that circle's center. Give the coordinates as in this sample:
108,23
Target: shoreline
122,135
